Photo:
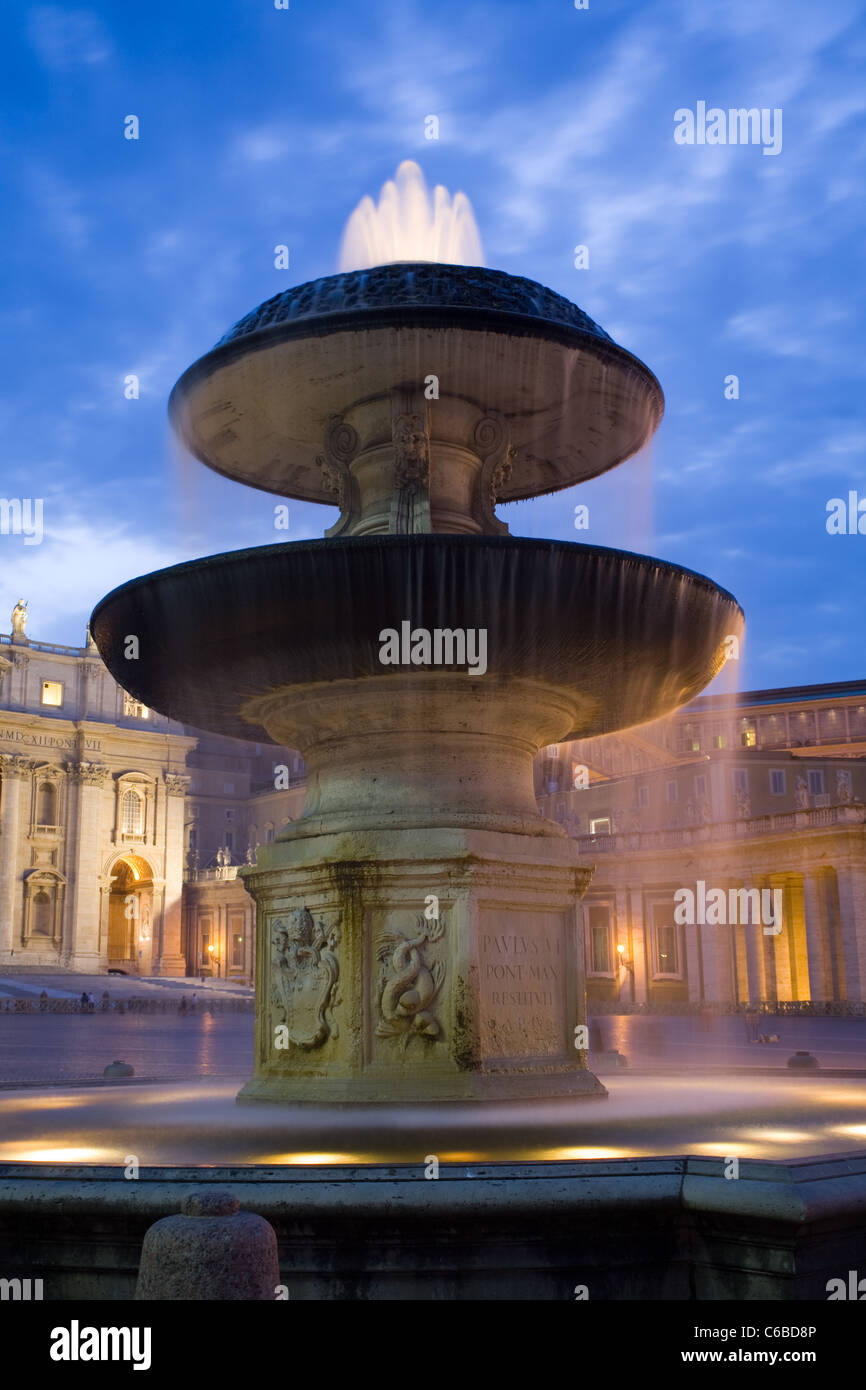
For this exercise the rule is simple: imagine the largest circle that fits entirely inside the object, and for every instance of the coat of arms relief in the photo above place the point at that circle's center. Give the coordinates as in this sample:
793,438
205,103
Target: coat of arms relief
305,976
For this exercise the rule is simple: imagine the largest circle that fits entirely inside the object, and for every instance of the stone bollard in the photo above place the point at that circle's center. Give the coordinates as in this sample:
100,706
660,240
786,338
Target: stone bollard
117,1069
212,1251
803,1061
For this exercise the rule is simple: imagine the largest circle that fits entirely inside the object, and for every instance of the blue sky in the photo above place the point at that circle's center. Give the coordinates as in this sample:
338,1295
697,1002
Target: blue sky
261,127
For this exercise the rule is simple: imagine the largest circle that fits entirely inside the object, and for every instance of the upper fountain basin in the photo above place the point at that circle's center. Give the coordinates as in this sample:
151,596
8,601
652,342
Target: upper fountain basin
634,637
257,408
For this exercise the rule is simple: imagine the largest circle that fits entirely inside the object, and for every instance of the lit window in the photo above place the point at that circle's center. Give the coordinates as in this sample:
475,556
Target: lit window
600,826
131,812
134,709
52,692
748,734
666,950
777,781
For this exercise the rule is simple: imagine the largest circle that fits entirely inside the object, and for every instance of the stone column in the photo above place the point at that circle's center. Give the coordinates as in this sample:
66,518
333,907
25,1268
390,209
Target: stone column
640,945
81,949
716,949
851,880
693,961
817,939
169,958
755,962
13,771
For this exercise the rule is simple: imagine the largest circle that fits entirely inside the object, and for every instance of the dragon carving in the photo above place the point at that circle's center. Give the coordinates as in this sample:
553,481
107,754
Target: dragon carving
409,983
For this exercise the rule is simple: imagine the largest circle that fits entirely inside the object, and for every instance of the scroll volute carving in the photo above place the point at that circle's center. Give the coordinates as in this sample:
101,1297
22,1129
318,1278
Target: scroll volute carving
492,442
341,444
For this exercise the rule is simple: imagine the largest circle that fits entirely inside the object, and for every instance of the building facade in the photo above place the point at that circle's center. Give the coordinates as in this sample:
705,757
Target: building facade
759,793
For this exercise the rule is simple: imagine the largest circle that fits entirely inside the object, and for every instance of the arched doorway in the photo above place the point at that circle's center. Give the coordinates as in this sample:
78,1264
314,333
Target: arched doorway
130,912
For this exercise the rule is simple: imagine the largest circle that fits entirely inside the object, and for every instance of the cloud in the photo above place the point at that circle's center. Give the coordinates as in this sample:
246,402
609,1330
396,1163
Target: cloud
67,38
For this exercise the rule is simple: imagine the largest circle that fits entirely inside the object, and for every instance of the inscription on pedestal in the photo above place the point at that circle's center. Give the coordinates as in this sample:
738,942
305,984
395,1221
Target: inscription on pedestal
522,965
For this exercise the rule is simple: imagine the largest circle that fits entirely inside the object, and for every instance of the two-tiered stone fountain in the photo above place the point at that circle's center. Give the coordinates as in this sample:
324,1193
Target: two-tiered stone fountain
419,932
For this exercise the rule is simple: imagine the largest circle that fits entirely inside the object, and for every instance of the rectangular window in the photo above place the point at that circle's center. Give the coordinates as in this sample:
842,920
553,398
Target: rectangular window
230,815
237,950
228,788
600,826
643,796
672,792
816,781
748,733
666,950
600,951
600,955
230,841
193,840
701,787
52,693
741,780
205,946
134,709
777,781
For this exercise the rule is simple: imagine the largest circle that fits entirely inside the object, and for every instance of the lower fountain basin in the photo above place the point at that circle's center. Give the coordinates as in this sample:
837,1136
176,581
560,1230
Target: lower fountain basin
633,637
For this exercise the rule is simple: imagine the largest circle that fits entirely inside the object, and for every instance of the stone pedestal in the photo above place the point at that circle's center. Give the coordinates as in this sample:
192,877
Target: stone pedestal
419,936
429,965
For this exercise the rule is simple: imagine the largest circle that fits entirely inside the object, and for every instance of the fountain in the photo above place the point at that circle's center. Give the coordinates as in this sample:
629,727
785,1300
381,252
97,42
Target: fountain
419,933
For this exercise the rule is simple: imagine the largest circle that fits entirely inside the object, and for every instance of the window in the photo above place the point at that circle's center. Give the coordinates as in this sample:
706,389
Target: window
701,787
599,941
46,804
748,733
689,739
230,841
269,834
671,792
600,826
205,946
741,780
237,950
228,788
134,709
816,781
41,913
230,815
643,796
52,692
193,839
667,949
666,944
777,782
559,812
131,813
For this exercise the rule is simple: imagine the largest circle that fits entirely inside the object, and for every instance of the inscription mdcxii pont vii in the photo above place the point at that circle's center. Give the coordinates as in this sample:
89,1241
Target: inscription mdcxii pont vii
522,983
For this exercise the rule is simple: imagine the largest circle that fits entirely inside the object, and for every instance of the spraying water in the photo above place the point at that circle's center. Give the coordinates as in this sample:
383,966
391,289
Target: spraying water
408,225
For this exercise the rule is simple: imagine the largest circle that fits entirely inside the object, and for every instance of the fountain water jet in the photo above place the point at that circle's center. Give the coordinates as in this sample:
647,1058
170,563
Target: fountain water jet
419,932
406,226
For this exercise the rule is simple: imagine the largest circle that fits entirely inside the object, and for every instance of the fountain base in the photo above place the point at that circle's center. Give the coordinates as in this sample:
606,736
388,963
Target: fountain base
419,965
